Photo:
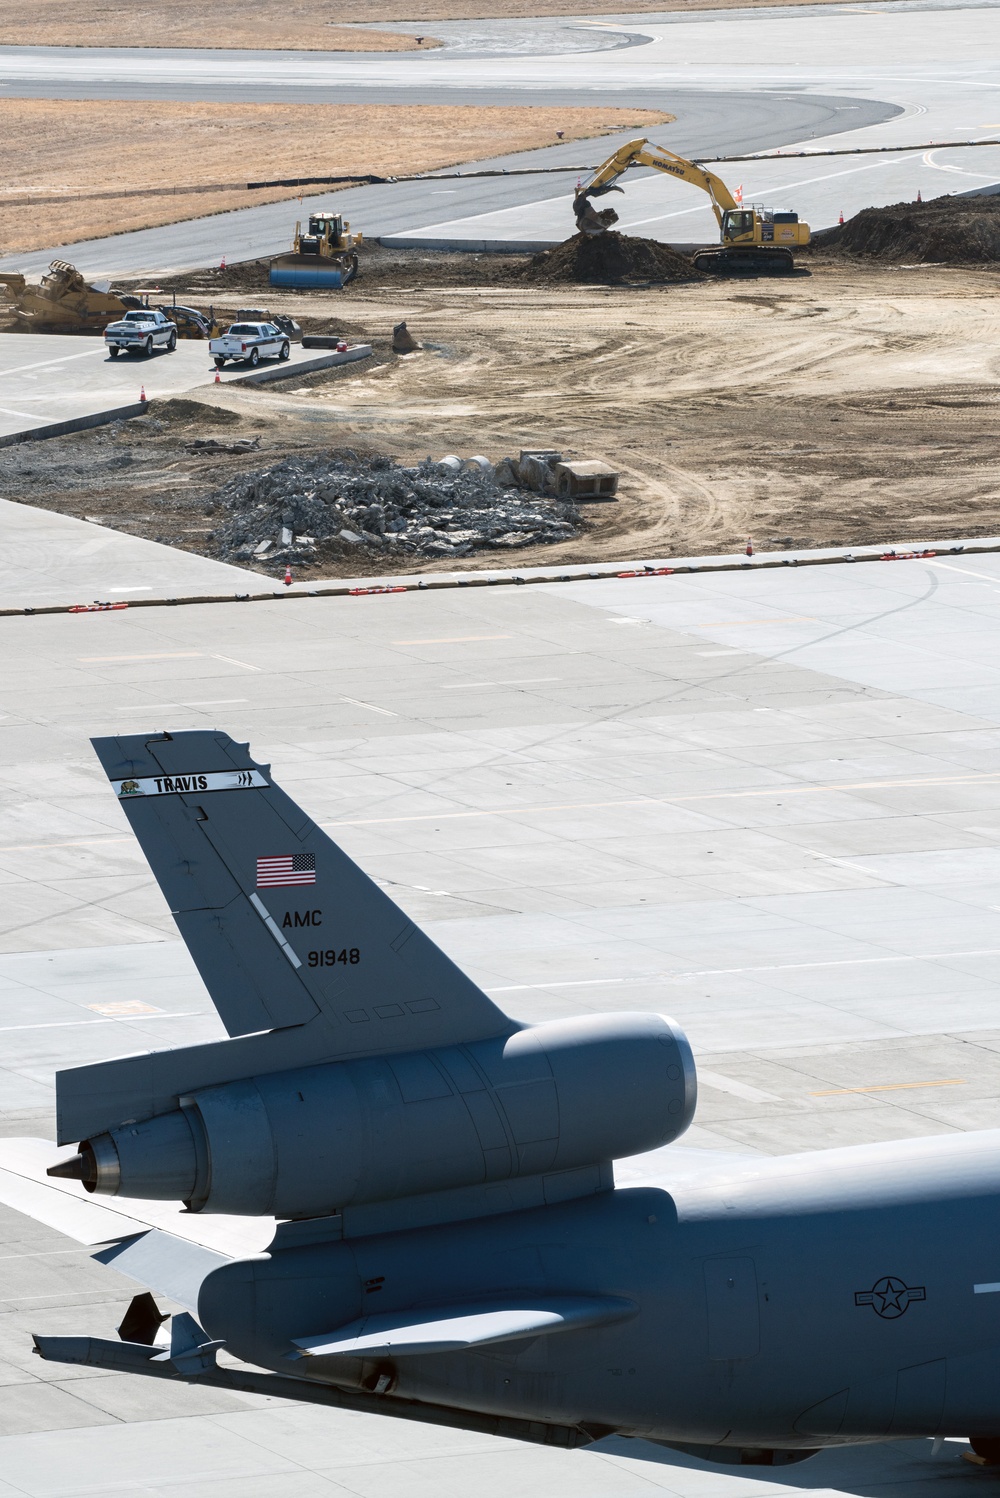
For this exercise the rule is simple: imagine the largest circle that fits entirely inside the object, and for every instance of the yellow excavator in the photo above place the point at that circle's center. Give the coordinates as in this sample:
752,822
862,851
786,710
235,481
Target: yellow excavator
749,238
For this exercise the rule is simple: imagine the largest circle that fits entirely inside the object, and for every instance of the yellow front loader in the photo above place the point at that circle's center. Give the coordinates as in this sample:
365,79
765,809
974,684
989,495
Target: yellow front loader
749,238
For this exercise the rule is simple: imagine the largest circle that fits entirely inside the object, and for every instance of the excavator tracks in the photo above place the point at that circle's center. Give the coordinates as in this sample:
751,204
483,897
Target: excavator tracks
728,262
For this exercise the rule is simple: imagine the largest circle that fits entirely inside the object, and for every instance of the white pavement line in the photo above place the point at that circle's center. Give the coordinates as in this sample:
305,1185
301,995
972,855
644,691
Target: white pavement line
845,863
719,1083
355,702
784,187
70,1024
772,967
21,415
48,363
788,967
992,1287
230,662
985,577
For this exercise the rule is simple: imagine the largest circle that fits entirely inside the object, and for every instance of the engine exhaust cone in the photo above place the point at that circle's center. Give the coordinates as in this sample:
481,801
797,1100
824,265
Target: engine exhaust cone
73,1169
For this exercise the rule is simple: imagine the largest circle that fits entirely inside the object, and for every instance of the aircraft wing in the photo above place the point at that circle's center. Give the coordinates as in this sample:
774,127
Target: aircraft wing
682,1165
157,1244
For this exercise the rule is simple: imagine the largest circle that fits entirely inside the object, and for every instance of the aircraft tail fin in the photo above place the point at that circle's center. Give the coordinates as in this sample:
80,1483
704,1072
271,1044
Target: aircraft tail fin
282,925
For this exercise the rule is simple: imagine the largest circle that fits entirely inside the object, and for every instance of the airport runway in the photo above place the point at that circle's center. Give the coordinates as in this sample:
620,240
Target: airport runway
819,77
764,802
727,122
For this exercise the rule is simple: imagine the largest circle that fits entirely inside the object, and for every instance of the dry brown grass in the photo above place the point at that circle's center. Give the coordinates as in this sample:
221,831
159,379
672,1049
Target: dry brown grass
80,170
302,24
190,23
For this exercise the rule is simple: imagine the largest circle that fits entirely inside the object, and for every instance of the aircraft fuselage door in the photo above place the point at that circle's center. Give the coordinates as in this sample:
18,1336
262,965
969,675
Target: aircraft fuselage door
733,1310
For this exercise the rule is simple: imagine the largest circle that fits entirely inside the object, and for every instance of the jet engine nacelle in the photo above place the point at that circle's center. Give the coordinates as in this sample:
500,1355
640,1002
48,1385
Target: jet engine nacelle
309,1141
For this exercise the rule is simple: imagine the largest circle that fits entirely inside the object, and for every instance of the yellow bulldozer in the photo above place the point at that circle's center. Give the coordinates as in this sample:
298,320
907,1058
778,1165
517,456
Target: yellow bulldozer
749,238
325,255
63,302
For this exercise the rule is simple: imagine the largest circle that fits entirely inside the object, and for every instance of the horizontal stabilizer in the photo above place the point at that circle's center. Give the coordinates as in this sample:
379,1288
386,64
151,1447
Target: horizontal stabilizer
67,1207
161,1262
459,1327
284,928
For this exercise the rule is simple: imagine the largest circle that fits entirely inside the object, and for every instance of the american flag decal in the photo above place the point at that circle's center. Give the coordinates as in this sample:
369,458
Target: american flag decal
286,868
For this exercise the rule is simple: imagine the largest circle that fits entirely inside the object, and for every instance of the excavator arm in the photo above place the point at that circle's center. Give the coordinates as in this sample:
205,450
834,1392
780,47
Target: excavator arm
644,153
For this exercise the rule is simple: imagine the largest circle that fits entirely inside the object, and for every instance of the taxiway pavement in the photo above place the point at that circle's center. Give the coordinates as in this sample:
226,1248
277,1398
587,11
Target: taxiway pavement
57,380
910,76
764,802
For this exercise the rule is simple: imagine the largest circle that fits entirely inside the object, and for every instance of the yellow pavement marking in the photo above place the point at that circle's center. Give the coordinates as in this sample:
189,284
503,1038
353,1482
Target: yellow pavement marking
890,1087
83,842
972,778
771,790
778,619
162,655
125,1008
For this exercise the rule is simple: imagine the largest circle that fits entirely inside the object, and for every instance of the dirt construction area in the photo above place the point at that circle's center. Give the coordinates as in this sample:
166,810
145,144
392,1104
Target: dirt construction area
851,403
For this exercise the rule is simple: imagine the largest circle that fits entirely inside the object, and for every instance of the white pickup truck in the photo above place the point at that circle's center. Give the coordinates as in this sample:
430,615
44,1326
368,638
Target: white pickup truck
250,342
139,332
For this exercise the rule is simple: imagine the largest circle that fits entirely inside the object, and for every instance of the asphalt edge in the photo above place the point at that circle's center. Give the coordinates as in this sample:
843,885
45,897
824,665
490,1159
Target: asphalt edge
75,424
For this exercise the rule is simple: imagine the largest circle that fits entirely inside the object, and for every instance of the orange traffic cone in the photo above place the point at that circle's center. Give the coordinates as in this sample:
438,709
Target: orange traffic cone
841,218
222,263
142,395
218,377
288,577
749,547
919,198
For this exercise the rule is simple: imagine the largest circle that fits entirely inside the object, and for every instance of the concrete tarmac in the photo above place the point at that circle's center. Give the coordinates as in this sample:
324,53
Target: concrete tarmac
45,381
763,802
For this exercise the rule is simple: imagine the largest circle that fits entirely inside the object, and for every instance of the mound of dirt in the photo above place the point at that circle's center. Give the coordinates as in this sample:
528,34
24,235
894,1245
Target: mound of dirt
609,258
179,409
958,231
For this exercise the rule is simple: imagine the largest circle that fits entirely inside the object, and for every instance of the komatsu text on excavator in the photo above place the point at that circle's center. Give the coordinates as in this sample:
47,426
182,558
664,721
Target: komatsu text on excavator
750,238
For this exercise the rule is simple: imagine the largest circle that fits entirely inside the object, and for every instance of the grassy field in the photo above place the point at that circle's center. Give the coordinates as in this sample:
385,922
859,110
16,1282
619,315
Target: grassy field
80,170
283,23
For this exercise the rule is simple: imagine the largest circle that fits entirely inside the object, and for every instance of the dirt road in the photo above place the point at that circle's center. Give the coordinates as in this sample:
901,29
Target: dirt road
836,408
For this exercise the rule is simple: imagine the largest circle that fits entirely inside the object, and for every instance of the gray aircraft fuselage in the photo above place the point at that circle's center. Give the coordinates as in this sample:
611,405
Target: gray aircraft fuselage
800,1302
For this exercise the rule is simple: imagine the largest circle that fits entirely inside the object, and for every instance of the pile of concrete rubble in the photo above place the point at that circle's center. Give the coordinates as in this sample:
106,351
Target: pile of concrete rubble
447,507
